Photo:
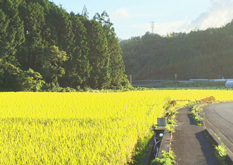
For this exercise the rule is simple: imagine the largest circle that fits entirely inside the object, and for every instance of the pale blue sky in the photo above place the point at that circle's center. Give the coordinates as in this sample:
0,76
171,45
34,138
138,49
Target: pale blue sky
132,17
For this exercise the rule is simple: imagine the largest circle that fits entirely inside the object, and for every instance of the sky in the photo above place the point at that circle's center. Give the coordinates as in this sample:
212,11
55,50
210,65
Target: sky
133,18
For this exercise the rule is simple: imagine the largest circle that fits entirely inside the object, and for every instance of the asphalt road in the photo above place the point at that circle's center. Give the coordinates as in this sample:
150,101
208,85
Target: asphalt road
225,111
219,118
189,142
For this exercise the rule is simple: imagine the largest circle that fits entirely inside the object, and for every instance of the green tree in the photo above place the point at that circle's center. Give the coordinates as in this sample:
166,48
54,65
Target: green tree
53,61
32,14
4,22
116,63
30,81
11,37
87,52
77,67
98,56
9,74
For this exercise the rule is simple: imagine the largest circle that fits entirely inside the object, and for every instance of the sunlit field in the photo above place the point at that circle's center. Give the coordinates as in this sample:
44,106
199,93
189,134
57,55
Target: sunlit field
82,128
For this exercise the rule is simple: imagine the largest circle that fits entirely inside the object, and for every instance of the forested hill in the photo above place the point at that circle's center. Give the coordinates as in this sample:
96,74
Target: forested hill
42,46
198,54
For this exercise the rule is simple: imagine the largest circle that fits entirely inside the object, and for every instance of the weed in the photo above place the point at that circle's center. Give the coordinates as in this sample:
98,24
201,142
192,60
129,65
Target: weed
171,121
167,103
167,159
170,128
196,112
222,153
171,111
221,149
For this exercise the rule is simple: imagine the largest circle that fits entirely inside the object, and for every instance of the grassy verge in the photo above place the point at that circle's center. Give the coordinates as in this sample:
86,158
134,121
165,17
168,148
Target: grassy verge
141,149
196,112
171,121
167,159
221,152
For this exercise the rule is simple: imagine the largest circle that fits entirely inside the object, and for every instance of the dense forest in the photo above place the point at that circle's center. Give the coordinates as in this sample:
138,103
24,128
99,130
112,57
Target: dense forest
42,47
199,54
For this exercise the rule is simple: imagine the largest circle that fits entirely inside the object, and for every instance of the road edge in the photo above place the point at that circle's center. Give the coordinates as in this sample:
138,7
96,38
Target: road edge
217,141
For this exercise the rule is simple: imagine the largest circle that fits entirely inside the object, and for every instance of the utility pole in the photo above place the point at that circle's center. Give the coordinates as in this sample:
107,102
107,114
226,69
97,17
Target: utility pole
130,79
176,79
152,26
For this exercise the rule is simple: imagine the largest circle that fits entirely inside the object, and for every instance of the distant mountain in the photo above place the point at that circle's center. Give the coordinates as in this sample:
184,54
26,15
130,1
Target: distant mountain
198,54
120,40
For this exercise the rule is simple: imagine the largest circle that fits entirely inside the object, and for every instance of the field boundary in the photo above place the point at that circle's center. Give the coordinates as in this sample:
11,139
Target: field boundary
165,142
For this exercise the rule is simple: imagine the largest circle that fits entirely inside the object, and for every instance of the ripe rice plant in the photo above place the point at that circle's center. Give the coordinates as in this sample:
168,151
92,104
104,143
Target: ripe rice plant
81,128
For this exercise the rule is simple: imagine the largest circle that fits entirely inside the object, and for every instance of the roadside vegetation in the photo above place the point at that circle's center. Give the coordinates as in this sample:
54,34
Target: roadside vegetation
171,119
167,159
196,112
138,156
221,150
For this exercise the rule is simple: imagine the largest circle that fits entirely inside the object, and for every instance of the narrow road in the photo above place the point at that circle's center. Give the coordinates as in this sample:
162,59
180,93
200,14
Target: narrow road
190,143
219,118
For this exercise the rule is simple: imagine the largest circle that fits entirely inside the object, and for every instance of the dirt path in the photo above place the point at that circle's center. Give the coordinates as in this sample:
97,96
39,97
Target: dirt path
190,143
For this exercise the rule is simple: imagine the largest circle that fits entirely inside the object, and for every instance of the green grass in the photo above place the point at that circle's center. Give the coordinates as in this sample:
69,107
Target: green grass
171,115
167,159
221,150
222,154
141,149
196,113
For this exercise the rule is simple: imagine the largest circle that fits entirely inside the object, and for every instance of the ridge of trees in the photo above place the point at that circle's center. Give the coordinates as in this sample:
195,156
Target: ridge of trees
199,54
42,47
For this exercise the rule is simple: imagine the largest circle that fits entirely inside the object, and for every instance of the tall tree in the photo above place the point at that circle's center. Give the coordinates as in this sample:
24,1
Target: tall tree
32,14
4,46
116,63
77,67
98,56
11,37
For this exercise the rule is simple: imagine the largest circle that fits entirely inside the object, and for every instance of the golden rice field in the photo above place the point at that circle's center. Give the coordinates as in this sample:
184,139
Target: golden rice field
81,128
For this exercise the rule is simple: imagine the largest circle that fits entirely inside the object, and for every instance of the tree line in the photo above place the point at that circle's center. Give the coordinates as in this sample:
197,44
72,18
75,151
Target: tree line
199,54
43,47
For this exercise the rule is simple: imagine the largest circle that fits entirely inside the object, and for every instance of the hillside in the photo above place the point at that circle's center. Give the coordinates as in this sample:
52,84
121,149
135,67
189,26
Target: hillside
198,54
42,46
